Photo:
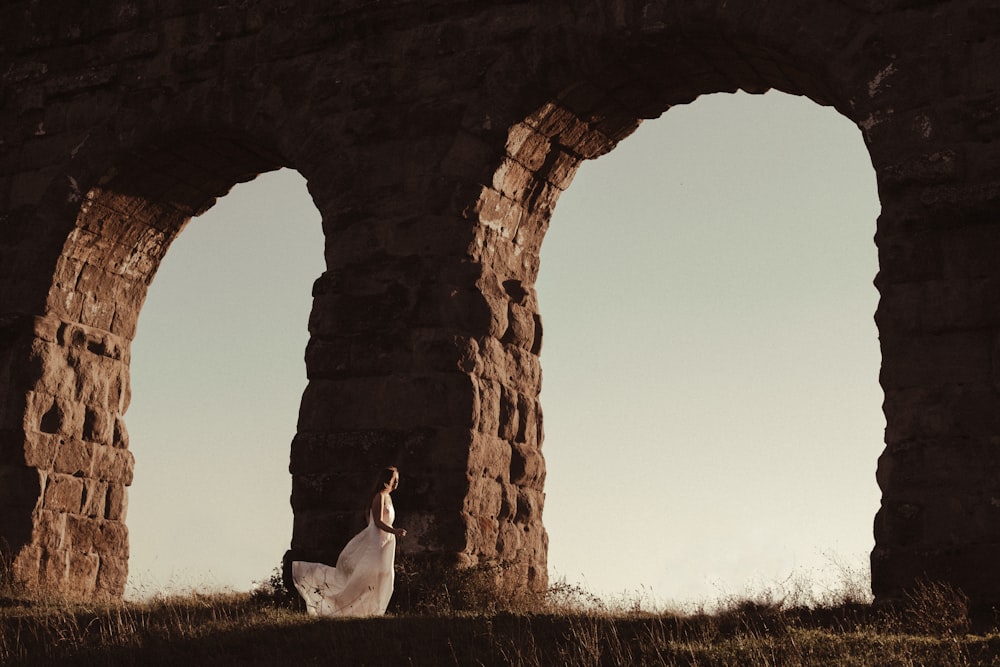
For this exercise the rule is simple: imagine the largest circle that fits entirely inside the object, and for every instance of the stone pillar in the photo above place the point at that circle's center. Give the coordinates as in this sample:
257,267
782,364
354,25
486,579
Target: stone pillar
64,353
420,356
938,320
65,460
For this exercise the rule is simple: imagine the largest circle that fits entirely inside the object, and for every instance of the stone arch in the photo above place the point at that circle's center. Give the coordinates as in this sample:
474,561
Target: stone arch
596,89
77,465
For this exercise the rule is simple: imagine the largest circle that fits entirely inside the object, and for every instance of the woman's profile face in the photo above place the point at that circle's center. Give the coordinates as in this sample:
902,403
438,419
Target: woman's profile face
393,482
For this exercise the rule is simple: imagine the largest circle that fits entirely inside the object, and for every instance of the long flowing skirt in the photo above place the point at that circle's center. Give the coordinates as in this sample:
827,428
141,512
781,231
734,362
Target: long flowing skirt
360,584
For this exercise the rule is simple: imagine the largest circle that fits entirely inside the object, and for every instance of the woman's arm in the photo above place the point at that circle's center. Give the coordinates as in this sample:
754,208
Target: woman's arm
378,506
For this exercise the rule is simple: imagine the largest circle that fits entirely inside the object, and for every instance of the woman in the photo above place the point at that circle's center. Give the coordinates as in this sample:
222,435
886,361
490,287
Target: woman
361,583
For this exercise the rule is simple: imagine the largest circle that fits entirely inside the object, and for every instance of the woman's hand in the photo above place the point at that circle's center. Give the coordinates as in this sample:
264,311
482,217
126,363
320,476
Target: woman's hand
400,532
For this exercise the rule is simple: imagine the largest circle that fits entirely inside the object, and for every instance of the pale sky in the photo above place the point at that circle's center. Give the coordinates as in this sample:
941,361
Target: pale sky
711,402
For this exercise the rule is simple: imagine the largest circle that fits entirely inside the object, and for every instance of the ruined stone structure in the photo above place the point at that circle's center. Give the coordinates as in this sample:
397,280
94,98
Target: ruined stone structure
436,137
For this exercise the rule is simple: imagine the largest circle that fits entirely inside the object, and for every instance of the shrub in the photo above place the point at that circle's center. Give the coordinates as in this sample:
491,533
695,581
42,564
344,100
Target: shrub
434,587
275,591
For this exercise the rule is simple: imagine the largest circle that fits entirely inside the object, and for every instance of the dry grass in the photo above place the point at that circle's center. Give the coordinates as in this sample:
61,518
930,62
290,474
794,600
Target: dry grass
469,623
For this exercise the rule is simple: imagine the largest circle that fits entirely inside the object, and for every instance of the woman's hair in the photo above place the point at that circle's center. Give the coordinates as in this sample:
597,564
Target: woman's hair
383,478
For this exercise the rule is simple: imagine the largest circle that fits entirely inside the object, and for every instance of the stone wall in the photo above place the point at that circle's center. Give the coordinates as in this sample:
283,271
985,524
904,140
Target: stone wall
436,137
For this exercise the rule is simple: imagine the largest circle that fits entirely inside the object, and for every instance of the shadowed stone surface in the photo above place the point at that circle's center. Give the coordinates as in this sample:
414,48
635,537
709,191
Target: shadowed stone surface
436,137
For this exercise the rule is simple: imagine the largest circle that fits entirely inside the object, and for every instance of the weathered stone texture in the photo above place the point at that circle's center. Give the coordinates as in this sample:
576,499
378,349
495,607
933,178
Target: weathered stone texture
436,137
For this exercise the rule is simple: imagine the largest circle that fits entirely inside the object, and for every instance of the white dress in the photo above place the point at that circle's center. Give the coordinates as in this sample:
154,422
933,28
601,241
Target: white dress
361,583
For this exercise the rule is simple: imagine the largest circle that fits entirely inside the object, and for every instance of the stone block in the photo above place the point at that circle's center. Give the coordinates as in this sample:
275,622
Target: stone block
394,402
498,212
81,574
436,531
489,457
428,236
438,350
323,452
54,569
98,426
427,492
119,437
39,450
63,493
510,419
88,535
561,169
112,575
950,413
527,466
524,370
127,311
509,539
113,464
74,457
492,361
94,375
57,377
508,501
116,503
552,120
95,496
529,506
935,167
482,536
334,315
326,490
510,365
490,400
527,146
938,306
529,423
521,327
49,530
435,452
935,359
484,500
976,411
915,412
444,306
911,257
516,182
970,251
65,302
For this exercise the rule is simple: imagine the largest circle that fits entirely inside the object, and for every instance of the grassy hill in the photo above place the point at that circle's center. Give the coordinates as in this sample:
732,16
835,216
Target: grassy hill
563,627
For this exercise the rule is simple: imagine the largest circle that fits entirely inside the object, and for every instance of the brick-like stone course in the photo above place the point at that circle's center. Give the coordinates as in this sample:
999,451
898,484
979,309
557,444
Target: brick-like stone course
436,137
